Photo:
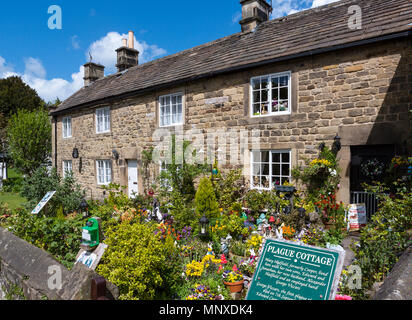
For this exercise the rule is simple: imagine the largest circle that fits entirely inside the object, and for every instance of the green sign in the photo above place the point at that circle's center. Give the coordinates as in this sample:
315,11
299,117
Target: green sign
288,271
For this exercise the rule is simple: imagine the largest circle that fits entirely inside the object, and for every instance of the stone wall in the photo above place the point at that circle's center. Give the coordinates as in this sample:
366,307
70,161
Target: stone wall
29,273
361,93
398,285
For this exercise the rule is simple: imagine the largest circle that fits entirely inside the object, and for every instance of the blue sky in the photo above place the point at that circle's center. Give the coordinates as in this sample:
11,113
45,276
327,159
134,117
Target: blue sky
50,60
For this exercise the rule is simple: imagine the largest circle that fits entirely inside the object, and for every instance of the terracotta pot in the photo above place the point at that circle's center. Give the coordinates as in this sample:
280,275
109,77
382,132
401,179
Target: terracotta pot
234,287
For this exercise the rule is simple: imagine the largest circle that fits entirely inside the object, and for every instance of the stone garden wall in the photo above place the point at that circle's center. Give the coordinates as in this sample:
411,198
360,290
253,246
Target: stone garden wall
398,285
27,272
361,93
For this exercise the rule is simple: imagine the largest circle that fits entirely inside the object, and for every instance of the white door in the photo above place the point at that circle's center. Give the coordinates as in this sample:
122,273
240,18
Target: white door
133,182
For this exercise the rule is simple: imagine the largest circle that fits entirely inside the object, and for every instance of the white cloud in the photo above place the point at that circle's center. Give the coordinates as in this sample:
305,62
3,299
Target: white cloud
318,3
103,50
287,7
35,76
34,68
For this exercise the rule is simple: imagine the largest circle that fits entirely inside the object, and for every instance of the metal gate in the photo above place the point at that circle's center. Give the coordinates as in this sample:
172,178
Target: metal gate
369,199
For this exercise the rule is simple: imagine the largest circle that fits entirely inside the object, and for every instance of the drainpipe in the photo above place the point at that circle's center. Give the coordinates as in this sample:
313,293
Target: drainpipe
55,141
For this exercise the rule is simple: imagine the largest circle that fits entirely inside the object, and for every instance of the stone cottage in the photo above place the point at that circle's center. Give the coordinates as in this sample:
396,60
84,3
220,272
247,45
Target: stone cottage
340,70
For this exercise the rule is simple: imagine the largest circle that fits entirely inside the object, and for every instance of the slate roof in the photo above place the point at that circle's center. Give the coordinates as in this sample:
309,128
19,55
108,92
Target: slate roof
309,31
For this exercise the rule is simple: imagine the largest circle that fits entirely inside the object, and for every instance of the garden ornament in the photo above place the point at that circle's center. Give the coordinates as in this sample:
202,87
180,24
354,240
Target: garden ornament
224,246
279,233
261,219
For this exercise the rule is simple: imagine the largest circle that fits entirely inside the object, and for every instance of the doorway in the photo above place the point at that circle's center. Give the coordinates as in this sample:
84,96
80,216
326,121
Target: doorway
133,184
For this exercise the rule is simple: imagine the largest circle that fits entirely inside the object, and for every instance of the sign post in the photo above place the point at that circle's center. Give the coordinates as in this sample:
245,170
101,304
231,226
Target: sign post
43,202
357,217
290,271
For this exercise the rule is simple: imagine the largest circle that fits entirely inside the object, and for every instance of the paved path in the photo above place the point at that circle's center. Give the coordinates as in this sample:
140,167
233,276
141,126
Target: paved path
346,243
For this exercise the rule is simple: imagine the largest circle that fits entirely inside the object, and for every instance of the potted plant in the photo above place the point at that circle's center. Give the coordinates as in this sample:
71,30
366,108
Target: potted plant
233,280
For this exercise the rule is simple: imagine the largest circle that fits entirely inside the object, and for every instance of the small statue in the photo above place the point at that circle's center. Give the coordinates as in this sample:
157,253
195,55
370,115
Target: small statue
224,247
261,220
209,250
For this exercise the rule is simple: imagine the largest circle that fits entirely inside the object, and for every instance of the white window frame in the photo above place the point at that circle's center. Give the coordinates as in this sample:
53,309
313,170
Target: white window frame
67,167
106,125
67,127
270,168
269,76
107,175
171,123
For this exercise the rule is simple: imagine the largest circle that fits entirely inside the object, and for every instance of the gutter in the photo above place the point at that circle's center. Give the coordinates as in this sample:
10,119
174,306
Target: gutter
403,34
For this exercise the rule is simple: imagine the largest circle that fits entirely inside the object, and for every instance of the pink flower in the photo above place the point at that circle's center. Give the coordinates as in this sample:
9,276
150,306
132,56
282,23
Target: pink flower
235,268
345,297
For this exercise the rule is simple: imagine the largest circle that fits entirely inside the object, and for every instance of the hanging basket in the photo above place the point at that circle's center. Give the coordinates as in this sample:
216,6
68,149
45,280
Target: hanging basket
234,287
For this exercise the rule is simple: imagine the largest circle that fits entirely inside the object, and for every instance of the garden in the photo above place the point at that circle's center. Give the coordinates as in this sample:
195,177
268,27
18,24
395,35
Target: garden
197,232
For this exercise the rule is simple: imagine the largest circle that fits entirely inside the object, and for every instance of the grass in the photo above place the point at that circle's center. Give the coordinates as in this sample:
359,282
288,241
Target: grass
14,200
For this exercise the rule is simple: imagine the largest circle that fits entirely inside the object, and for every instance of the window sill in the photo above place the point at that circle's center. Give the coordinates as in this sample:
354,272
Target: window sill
285,113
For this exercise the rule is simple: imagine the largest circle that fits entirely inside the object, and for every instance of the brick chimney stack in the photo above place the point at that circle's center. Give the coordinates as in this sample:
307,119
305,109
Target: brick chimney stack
127,55
254,12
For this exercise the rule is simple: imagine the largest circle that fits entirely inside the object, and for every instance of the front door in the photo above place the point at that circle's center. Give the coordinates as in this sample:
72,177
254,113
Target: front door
133,182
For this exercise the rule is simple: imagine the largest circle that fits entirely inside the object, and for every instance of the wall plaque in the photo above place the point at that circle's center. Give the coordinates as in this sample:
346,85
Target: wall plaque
289,271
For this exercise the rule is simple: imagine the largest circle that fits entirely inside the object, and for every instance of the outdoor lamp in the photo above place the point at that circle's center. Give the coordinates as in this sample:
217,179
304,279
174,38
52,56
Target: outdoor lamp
115,154
84,208
204,226
337,146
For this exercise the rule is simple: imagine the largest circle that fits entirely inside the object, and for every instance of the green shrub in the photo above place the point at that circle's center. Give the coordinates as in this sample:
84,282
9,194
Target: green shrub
61,237
68,193
385,238
136,261
205,200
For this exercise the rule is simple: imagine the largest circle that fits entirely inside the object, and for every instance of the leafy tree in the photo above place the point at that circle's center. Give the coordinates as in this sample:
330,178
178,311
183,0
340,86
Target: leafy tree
29,137
15,95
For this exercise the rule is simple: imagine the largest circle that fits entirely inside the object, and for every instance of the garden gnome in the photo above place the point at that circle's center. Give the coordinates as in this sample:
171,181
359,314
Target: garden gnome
224,246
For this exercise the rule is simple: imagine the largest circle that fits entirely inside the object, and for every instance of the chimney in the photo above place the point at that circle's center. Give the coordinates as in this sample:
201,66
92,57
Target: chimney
127,56
92,72
254,12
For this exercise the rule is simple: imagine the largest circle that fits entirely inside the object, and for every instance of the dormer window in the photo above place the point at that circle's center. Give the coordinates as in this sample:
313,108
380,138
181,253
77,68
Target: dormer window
271,95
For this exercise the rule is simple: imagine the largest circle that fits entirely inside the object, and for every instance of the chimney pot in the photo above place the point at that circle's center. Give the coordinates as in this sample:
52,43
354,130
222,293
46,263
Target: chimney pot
131,39
124,42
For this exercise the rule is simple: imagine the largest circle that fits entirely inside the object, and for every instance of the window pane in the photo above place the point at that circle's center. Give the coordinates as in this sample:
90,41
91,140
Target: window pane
265,182
256,108
275,82
276,169
256,182
174,99
283,93
284,81
256,84
265,97
275,157
256,170
265,156
256,156
256,96
264,84
285,157
285,170
275,94
265,169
